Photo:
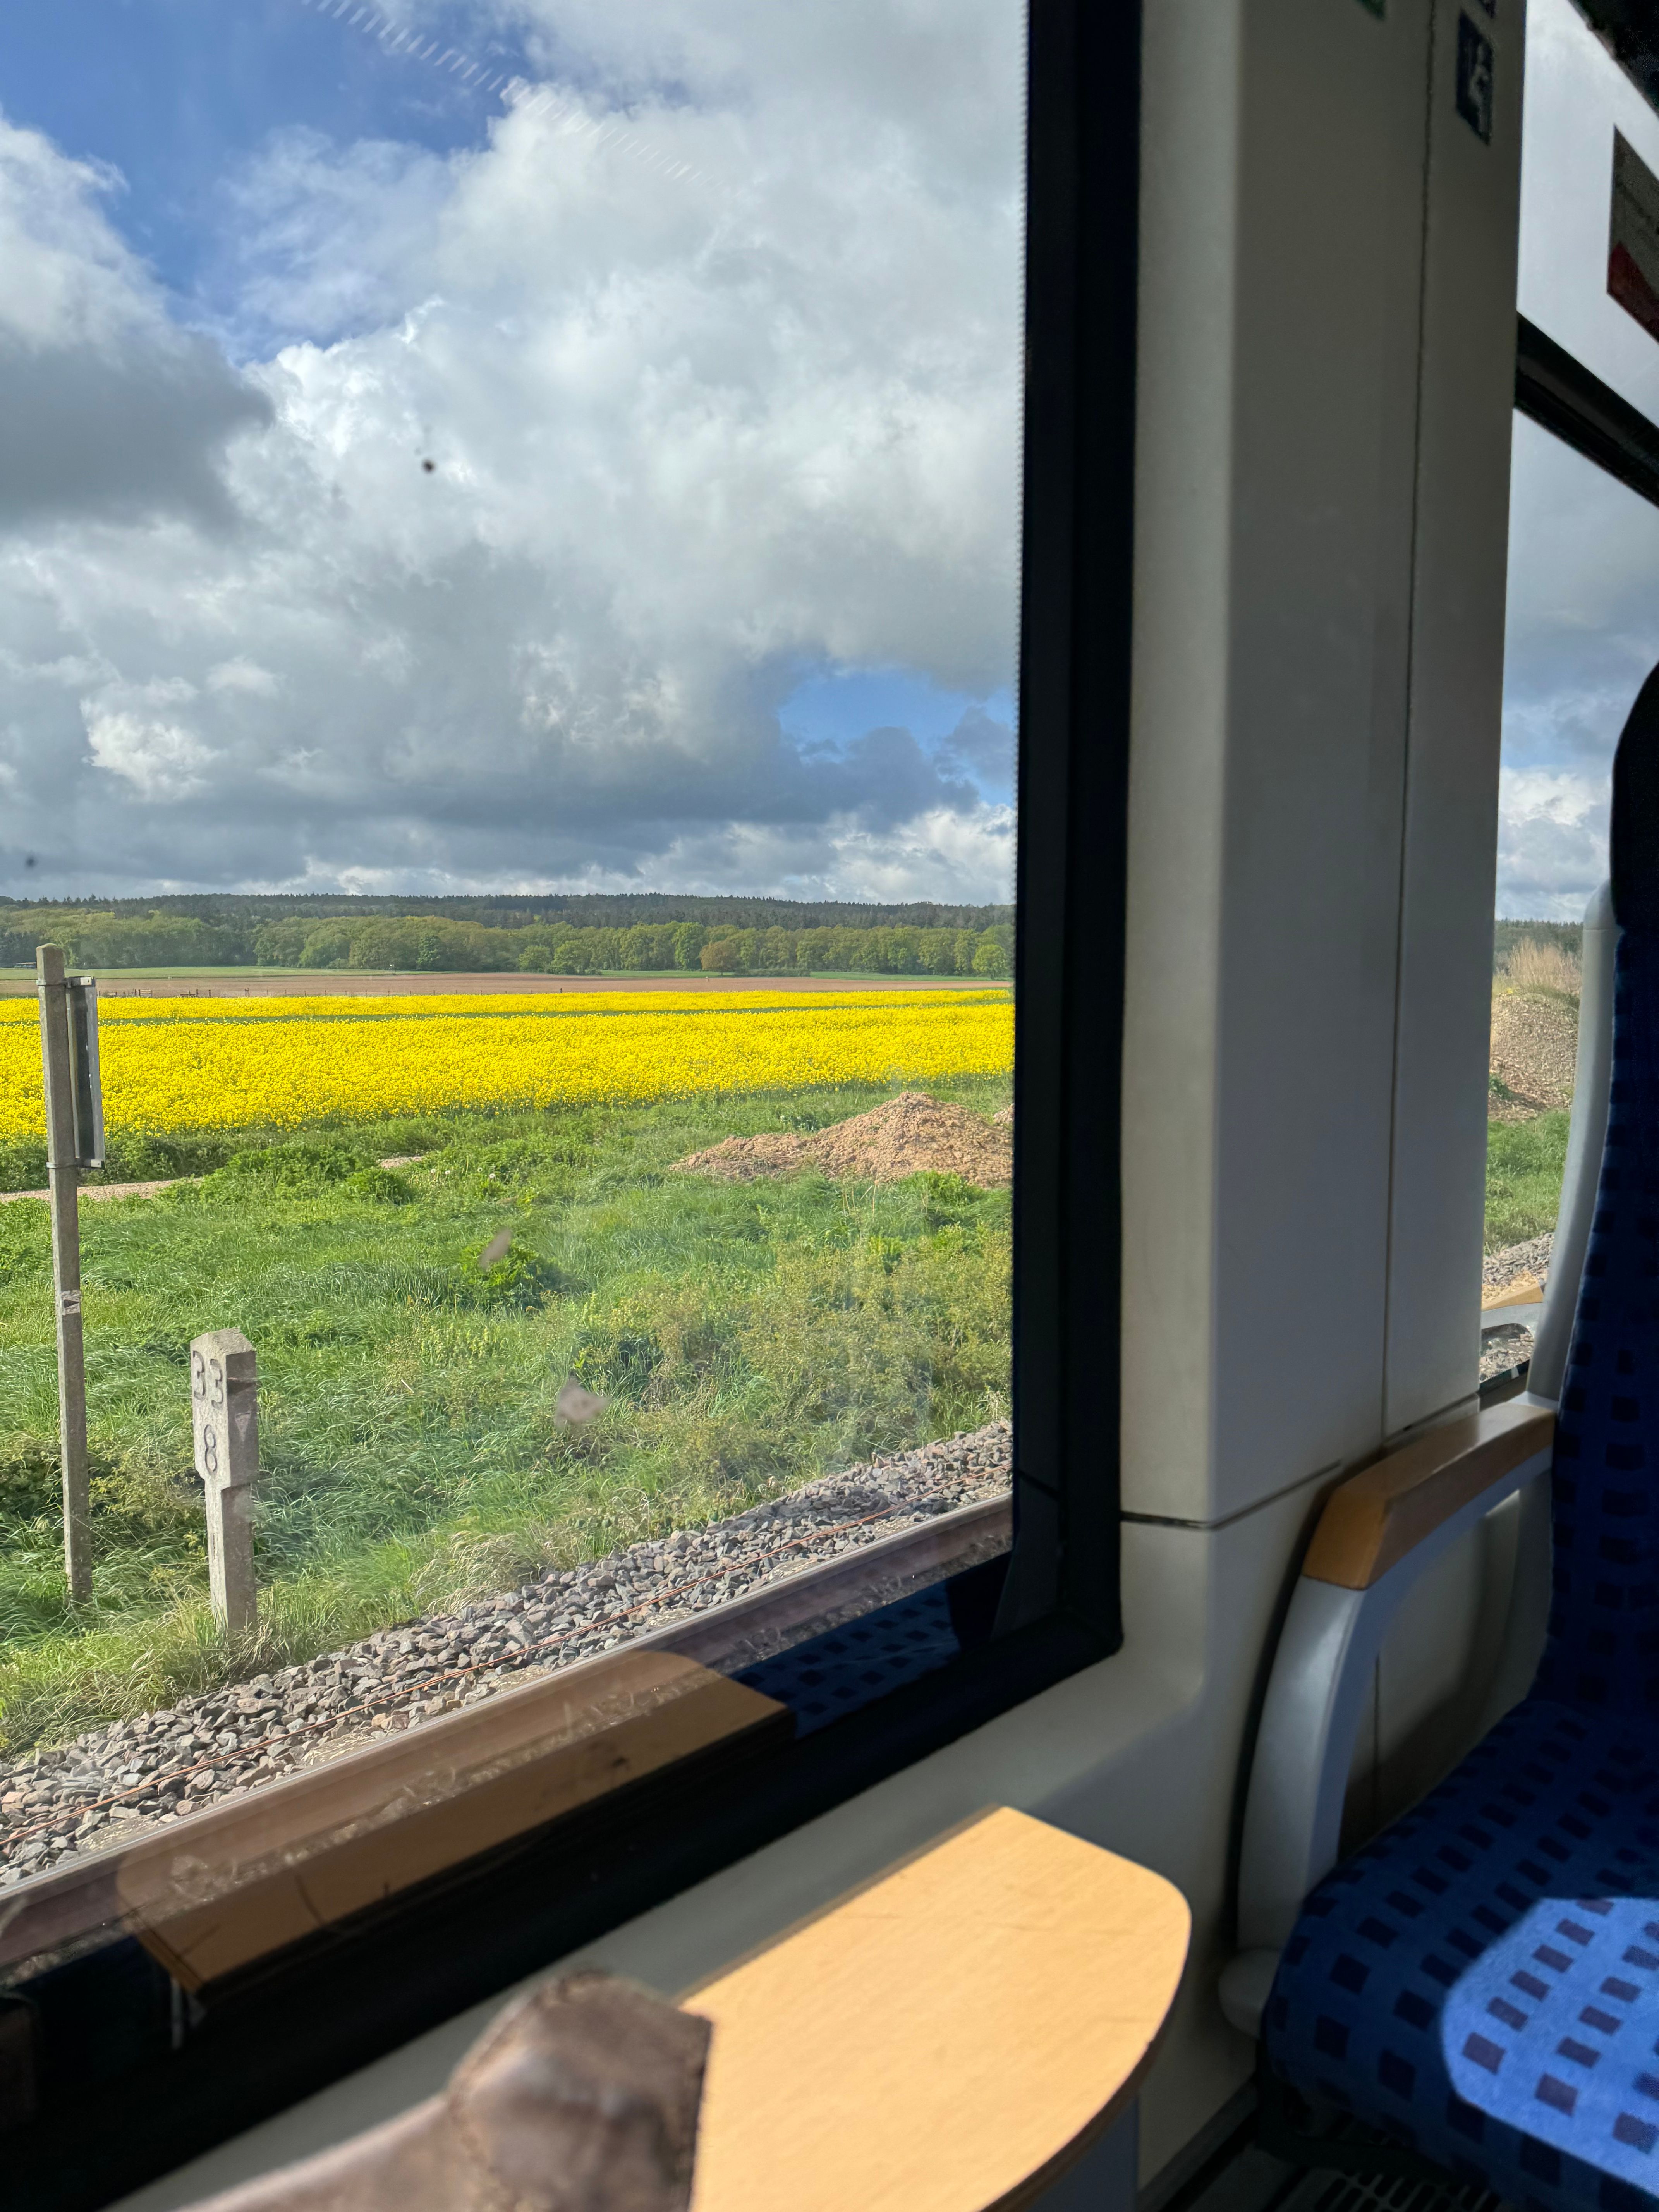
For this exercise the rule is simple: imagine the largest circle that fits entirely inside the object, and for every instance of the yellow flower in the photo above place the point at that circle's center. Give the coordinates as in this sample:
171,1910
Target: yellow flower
220,1064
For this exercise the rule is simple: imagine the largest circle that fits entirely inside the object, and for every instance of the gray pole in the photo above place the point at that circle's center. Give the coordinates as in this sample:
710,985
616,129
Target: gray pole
64,1176
224,1401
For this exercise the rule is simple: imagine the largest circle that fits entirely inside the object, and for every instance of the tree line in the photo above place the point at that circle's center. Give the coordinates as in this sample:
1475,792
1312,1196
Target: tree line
244,911
441,943
1506,935
434,943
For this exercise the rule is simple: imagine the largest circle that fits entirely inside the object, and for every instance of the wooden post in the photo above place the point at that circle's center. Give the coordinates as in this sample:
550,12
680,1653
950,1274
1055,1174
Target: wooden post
64,1176
224,1404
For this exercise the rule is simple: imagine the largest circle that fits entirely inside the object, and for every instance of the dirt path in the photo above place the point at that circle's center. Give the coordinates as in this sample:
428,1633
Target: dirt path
149,1189
331,984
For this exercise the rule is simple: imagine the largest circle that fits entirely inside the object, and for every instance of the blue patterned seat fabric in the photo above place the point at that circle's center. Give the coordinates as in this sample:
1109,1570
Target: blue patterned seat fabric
1481,1983
847,1668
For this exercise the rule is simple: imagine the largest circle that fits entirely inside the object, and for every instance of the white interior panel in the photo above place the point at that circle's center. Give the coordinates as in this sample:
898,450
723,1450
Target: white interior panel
1435,1216
1319,639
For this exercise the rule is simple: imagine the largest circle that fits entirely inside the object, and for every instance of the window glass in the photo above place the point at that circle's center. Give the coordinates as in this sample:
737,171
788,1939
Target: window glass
508,563
1589,280
1583,634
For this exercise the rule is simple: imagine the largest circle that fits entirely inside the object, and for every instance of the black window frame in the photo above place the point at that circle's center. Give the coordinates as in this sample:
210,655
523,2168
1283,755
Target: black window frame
199,2075
1629,29
1553,388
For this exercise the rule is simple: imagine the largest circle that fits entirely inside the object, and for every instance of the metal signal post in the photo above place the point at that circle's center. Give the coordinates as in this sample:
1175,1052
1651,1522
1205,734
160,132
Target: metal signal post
75,1140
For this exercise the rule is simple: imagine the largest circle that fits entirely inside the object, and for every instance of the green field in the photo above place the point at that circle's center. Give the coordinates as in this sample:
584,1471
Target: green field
749,1337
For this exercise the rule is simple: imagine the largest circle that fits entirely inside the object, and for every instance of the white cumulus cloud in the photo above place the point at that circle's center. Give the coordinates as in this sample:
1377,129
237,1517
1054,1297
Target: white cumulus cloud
550,470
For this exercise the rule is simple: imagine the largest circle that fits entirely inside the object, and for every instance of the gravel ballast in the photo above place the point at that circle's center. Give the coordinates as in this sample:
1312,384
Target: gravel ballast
1499,1269
1507,1346
115,1783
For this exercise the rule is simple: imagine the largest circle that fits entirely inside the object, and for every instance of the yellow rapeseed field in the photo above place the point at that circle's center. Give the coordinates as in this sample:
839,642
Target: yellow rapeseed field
202,1065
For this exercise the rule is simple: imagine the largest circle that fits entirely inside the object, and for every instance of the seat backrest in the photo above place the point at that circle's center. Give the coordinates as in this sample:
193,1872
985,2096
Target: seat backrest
1603,1645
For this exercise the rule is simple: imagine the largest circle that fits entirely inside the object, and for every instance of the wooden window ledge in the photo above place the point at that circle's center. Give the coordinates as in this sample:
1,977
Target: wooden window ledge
949,2037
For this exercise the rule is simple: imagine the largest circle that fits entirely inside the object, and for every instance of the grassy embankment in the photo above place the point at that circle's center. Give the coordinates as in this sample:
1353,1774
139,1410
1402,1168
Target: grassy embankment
1536,982
750,1336
1525,1162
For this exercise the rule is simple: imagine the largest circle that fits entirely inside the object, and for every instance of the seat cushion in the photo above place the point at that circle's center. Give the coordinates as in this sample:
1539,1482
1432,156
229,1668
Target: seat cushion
1481,1983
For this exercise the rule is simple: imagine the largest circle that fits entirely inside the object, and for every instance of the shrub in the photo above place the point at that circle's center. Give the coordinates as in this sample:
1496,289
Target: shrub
519,1279
1535,965
22,1163
379,1186
292,1167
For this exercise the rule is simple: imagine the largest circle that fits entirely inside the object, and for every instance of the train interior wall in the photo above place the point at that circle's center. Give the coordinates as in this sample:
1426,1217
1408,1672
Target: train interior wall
1326,367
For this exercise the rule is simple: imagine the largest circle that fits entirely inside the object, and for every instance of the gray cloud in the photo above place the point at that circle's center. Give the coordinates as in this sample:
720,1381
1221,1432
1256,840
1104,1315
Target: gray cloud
1583,633
690,439
107,409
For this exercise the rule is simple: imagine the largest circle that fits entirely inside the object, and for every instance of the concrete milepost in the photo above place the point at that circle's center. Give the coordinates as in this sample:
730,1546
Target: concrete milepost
75,1140
224,1407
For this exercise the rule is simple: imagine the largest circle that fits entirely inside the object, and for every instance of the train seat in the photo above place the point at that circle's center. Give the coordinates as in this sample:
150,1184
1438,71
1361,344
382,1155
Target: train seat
1480,1983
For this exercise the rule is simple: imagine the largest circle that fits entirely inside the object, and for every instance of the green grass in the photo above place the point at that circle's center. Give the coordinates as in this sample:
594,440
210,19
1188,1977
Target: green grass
1525,1162
749,1336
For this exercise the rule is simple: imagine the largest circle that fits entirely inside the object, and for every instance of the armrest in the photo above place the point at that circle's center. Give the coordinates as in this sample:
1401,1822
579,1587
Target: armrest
1374,1519
1378,1534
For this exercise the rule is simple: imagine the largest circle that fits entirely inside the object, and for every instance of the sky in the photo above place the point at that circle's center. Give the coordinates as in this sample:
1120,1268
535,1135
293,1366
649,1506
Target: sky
509,443
479,445
1583,628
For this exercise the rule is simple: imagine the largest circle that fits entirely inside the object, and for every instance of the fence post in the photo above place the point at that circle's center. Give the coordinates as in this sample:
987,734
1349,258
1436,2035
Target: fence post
64,1176
224,1405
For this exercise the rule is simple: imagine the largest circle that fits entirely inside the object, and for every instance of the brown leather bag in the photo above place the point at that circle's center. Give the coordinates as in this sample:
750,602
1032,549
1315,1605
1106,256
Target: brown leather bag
581,2097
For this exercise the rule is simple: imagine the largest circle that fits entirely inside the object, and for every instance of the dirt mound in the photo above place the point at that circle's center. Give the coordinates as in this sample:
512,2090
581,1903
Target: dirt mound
1534,1045
911,1134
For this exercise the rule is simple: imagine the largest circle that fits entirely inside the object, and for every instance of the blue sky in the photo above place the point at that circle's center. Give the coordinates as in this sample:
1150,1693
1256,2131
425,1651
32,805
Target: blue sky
974,736
176,94
601,484
713,583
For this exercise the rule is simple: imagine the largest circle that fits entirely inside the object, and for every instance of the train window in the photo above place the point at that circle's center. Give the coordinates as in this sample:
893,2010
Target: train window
1589,204
1582,635
631,1393
1581,632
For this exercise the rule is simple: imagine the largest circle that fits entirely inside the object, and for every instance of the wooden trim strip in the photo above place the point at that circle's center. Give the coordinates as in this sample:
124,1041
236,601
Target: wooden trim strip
1373,1520
211,1894
1525,1291
657,1699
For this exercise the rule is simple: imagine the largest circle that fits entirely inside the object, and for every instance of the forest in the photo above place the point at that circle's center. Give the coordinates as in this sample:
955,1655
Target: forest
579,936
